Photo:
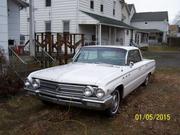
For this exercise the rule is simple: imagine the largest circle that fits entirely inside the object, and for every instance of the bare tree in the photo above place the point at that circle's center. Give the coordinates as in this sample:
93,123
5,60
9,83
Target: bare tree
177,18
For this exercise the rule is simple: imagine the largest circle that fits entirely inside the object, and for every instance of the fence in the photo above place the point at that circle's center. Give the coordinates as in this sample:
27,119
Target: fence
174,41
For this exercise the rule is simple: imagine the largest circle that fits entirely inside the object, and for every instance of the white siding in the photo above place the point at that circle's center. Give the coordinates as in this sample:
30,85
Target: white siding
160,25
60,10
132,13
85,19
127,37
84,5
24,15
126,14
13,21
88,30
67,10
3,27
64,10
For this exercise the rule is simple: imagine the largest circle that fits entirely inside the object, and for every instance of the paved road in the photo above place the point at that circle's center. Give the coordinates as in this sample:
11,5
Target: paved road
164,59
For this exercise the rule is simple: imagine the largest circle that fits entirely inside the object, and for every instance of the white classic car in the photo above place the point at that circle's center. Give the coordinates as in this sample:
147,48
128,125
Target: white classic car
99,78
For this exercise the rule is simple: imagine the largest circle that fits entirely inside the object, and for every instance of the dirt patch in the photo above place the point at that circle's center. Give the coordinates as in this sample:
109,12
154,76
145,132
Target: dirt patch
26,115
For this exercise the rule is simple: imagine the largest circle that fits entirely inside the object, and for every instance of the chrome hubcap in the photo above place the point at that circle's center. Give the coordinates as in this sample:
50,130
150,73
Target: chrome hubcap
116,100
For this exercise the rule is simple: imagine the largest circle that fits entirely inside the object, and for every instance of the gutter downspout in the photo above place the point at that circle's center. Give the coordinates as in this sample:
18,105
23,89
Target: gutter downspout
77,17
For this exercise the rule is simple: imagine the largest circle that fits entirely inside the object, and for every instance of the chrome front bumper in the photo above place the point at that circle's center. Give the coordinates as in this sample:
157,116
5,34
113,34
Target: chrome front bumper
73,101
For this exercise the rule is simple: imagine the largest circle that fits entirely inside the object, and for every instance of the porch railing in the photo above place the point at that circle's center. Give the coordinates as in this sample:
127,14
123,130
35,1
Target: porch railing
46,59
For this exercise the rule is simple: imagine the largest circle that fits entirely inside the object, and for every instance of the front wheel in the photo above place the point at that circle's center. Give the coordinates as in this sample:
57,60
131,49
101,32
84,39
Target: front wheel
113,110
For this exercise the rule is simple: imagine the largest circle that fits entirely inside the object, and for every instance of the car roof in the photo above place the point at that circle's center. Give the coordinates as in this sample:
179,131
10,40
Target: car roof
128,48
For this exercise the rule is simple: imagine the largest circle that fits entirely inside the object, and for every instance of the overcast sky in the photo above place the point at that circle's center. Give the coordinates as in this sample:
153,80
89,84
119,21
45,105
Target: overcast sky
172,6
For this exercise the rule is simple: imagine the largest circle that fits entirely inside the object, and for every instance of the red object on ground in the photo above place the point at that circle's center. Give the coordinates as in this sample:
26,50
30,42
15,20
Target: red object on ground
21,50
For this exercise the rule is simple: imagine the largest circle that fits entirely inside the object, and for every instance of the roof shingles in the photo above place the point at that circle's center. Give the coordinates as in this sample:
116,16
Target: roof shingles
109,21
150,16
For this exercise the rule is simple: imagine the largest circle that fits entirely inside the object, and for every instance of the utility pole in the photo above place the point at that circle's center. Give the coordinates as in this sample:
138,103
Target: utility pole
31,28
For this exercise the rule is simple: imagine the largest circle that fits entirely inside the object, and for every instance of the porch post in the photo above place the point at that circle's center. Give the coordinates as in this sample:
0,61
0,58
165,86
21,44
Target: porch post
31,28
97,39
100,35
110,35
115,34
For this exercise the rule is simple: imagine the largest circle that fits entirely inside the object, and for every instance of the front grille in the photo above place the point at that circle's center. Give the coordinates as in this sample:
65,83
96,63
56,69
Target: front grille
62,89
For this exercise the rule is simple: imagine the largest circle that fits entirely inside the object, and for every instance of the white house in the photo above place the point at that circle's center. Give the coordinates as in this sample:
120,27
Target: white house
10,22
155,23
102,21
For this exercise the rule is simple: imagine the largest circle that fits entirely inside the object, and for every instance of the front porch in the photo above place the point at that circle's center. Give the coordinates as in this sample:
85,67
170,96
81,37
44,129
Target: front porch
156,36
103,35
142,38
102,30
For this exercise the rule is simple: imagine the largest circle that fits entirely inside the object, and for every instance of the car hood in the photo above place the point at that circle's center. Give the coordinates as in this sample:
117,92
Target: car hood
77,73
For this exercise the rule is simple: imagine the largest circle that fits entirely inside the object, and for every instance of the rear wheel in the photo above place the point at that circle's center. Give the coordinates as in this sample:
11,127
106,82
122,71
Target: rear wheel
146,81
113,110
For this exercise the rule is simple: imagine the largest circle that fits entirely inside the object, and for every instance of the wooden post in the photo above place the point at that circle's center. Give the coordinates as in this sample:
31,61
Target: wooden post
71,43
82,36
74,38
115,35
97,35
110,35
65,48
36,46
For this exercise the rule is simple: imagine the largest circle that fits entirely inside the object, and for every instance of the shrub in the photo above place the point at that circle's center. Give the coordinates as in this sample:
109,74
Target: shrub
10,83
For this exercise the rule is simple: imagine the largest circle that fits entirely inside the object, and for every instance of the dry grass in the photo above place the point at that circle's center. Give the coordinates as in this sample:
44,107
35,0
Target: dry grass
163,48
26,115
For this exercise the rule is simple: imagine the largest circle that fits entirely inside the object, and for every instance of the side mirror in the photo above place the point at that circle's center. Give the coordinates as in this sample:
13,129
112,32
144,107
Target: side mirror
131,64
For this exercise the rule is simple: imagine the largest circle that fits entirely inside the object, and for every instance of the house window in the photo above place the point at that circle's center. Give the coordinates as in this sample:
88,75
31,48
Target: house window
179,30
114,8
102,8
48,3
66,26
48,26
92,4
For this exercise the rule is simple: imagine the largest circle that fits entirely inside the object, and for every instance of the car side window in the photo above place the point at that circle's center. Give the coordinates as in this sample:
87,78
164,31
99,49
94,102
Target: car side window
137,56
134,56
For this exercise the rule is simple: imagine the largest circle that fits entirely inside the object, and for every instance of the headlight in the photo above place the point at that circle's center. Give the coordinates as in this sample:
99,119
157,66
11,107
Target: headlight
27,83
100,93
36,84
88,91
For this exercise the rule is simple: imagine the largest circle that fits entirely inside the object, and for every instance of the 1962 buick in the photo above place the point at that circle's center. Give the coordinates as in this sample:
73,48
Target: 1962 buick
99,78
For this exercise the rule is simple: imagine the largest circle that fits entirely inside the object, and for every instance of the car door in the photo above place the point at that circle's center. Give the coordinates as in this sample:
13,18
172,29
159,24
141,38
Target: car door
132,78
140,67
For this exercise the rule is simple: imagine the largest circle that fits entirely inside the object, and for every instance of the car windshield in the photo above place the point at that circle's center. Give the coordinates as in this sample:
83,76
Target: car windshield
104,55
